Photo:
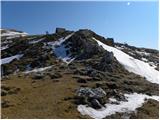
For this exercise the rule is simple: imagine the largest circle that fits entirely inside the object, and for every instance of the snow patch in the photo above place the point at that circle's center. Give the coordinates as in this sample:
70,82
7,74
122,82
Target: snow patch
133,102
152,64
4,47
9,59
6,42
133,65
61,53
36,41
112,100
144,59
142,53
38,69
60,50
131,53
12,34
60,41
120,48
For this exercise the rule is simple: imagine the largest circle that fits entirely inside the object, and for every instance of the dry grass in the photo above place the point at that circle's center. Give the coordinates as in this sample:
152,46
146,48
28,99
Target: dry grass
41,99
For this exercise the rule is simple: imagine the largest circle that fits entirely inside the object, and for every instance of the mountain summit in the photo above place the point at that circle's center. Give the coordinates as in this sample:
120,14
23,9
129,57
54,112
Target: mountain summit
76,74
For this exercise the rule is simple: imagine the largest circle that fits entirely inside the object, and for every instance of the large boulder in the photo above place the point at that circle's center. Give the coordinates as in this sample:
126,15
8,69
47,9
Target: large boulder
89,92
95,98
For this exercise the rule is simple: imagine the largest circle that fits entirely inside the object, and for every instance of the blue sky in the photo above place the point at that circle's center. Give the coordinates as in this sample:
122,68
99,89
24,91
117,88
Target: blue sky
135,23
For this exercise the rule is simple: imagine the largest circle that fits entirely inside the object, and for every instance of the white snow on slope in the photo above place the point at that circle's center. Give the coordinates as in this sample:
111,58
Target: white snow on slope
60,50
133,65
36,41
134,101
9,59
61,54
152,64
38,69
4,47
60,41
144,59
9,34
142,53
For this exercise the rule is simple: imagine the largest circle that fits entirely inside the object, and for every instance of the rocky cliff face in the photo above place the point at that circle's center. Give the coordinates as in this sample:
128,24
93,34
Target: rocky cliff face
91,71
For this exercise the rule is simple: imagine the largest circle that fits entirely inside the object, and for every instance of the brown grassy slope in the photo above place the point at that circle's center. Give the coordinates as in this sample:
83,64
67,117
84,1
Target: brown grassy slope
41,99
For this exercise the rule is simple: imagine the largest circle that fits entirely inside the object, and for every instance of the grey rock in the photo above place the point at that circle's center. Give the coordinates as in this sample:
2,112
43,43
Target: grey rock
118,95
37,75
3,93
4,103
95,98
55,75
89,92
106,62
80,80
112,85
108,57
96,104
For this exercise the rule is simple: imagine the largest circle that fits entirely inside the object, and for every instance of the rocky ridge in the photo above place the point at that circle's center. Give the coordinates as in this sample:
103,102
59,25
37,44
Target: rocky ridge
96,72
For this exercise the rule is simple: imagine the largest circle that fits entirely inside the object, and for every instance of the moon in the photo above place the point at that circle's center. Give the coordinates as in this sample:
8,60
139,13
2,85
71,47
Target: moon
128,3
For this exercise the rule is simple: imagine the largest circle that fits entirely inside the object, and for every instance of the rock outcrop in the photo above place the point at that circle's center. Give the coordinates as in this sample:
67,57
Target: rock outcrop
83,46
106,62
93,97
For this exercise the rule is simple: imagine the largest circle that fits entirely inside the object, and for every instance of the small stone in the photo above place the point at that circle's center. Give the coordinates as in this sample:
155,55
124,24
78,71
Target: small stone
55,75
112,85
38,76
4,103
3,93
81,80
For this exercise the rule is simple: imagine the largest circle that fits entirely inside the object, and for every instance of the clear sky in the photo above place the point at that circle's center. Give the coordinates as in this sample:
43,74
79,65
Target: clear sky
135,23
